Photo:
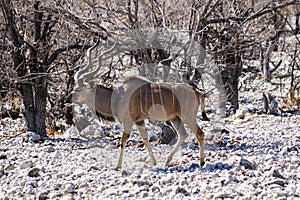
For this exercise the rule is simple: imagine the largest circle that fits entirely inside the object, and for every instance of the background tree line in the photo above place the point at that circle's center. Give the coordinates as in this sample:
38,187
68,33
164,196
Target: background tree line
43,42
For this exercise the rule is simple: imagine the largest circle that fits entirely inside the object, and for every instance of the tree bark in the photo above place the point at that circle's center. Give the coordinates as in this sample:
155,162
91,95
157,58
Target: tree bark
27,94
40,107
34,99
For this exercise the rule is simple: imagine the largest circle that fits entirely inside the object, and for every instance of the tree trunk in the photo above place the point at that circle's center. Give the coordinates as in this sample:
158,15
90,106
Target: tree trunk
34,99
28,100
234,93
40,107
230,77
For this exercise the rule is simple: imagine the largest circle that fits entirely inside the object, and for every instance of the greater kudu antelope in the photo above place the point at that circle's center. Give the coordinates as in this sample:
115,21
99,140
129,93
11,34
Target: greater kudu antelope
139,99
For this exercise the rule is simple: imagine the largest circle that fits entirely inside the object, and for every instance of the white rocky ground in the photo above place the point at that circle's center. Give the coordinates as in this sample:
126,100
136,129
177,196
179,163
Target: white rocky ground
256,156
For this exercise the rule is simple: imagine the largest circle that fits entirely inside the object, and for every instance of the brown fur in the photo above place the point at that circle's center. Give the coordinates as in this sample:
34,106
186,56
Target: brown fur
139,99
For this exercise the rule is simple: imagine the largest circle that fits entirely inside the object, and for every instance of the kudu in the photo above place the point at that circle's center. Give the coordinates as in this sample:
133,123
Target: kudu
139,99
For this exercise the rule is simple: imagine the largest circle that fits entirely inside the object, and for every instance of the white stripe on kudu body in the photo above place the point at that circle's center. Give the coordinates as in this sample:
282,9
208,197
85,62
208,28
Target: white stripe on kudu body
138,100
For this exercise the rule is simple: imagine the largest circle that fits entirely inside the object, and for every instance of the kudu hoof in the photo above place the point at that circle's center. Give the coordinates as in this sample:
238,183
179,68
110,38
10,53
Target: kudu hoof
117,168
202,163
168,162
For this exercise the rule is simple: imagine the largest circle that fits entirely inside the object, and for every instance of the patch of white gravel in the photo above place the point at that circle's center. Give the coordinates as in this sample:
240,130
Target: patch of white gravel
257,158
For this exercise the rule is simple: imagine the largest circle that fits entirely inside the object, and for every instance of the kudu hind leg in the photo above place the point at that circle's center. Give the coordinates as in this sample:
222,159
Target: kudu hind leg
124,139
200,137
142,129
182,135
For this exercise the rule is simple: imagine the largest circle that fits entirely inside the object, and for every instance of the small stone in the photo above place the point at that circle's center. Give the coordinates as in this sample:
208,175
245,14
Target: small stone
71,132
34,172
26,164
2,171
28,190
276,174
219,166
277,181
179,196
126,172
222,195
32,137
50,149
154,189
239,115
153,138
3,156
81,122
247,164
193,145
78,173
57,154
293,148
118,127
181,190
43,195
145,194
69,188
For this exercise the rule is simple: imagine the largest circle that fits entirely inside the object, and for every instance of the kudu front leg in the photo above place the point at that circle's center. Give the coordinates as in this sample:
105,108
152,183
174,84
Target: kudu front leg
200,137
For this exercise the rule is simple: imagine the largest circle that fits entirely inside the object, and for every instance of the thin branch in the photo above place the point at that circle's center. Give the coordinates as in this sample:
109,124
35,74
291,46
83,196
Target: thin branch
58,51
254,16
7,10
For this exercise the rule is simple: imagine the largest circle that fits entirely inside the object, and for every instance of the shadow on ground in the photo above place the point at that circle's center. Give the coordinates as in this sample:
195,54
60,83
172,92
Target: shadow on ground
194,167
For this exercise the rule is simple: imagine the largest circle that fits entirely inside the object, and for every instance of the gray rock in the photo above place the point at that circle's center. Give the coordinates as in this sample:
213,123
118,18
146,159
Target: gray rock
32,137
78,173
277,182
144,194
43,195
50,149
71,132
57,155
69,188
28,190
3,156
34,172
276,174
81,122
222,195
181,190
168,134
2,172
92,133
26,164
153,138
247,164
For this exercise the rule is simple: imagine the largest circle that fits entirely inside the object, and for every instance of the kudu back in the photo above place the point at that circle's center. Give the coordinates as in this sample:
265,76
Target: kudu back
137,100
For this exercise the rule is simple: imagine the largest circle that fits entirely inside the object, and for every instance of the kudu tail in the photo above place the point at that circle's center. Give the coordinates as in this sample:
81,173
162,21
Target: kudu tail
202,106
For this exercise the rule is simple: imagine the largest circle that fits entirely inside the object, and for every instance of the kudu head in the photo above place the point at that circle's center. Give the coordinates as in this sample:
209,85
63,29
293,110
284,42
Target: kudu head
85,89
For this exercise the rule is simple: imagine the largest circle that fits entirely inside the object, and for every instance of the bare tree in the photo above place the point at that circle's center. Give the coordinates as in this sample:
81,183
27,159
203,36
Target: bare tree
38,39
